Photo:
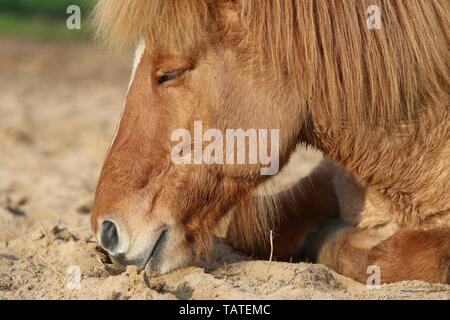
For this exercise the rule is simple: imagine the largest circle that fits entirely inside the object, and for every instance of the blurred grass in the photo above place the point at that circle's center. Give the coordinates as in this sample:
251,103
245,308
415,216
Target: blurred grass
43,19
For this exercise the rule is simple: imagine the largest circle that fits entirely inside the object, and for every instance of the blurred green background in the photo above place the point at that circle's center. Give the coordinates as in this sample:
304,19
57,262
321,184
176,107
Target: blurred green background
43,19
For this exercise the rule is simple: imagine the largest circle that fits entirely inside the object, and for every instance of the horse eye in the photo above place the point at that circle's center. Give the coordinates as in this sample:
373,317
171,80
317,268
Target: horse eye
169,76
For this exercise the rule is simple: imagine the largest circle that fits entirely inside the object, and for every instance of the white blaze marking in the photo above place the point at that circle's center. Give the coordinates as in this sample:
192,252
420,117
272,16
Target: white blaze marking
137,60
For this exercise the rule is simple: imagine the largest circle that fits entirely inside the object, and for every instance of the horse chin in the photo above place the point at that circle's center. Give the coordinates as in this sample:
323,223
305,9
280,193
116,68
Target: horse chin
166,257
165,263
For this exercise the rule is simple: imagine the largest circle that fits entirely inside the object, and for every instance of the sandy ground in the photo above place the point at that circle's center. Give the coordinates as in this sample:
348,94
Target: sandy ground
59,104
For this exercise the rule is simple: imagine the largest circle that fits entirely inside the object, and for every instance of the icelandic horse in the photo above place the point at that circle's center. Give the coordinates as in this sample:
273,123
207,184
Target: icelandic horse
374,101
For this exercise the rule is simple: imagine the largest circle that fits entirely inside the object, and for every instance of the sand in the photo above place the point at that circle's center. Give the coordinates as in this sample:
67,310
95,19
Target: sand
59,105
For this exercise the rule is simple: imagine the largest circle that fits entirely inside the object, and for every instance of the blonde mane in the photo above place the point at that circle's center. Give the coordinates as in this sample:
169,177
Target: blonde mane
342,70
175,22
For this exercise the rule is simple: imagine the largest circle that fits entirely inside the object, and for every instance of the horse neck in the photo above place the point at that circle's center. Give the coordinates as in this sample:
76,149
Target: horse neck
412,161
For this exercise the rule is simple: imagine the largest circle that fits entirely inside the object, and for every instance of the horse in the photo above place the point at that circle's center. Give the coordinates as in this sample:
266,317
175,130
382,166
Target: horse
375,101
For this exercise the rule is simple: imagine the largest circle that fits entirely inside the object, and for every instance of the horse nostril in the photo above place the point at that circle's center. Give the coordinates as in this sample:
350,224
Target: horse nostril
109,236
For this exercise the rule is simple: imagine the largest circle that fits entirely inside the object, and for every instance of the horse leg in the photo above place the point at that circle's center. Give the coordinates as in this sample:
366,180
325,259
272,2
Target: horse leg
405,255
375,240
306,230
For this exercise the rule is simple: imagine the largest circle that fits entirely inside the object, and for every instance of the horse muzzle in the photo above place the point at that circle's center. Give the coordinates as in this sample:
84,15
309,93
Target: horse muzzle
159,251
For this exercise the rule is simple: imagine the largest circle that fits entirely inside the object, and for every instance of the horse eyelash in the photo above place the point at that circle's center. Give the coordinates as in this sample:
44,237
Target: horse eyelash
169,76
